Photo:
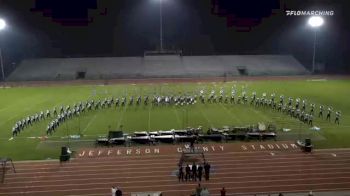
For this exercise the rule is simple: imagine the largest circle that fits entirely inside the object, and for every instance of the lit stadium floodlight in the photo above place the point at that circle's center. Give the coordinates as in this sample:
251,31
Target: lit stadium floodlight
315,21
2,24
2,27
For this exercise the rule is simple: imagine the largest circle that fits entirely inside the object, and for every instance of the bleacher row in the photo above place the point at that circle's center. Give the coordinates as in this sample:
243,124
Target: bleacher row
156,67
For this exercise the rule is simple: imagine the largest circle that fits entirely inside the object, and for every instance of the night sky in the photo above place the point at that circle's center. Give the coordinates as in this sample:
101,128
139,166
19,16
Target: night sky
88,28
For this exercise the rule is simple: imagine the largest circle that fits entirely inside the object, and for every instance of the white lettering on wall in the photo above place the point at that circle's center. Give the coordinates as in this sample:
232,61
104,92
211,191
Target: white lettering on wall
270,146
138,151
285,146
294,146
82,154
213,147
205,149
222,148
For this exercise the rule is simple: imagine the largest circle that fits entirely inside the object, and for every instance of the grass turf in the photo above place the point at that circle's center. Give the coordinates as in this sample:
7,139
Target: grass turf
17,103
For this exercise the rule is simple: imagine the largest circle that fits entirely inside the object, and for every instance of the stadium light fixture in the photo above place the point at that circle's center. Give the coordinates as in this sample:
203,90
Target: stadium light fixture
2,27
315,22
160,24
2,24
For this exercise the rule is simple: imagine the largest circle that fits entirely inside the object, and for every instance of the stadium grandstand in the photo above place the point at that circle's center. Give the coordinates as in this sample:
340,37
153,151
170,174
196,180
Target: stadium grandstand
155,67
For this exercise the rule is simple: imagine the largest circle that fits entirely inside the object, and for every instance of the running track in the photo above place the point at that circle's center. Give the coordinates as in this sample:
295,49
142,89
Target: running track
241,173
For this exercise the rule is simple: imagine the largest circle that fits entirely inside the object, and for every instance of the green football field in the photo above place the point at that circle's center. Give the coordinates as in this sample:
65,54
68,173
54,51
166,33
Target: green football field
19,102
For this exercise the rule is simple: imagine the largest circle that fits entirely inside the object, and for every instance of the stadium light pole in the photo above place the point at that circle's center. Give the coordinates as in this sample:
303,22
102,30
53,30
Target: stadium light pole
2,27
161,24
315,22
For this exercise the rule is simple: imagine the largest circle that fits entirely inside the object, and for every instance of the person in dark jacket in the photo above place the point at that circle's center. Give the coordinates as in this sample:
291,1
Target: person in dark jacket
188,171
181,173
200,172
223,191
194,172
118,192
207,170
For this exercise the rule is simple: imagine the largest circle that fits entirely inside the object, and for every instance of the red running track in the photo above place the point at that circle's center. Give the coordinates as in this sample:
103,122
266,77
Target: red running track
239,173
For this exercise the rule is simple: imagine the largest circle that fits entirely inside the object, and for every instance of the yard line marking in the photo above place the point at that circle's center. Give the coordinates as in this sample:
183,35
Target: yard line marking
206,118
149,118
259,113
233,116
8,106
21,113
72,141
88,125
122,115
177,116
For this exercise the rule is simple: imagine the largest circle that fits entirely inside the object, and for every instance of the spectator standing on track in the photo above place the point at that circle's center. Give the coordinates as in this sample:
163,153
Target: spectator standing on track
187,175
205,192
113,191
198,190
193,140
223,191
207,170
181,173
194,172
118,192
200,172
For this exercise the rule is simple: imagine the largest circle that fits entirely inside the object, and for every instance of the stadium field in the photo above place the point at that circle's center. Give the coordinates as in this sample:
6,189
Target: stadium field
17,103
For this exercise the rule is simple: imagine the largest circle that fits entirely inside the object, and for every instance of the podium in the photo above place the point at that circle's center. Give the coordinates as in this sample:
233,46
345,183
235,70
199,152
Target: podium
65,155
305,146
